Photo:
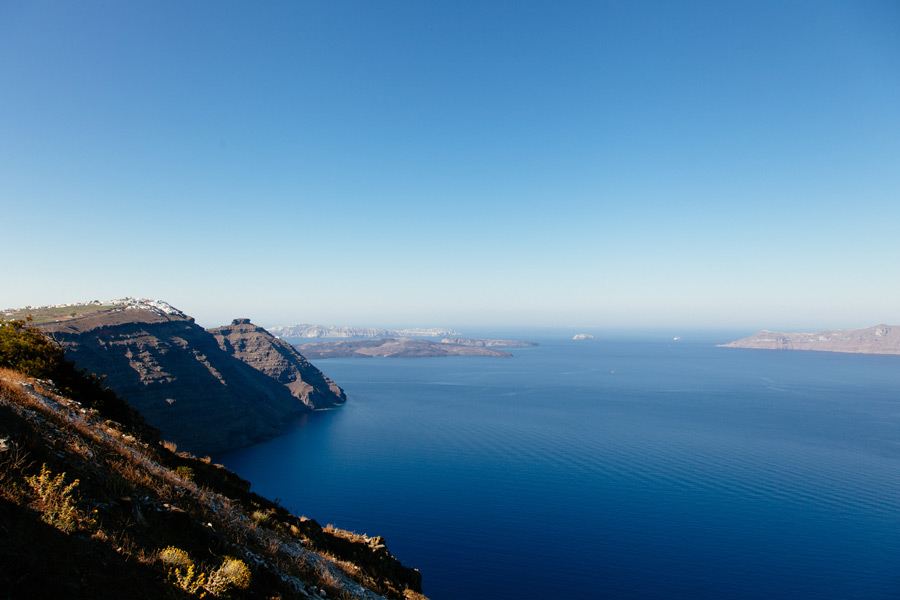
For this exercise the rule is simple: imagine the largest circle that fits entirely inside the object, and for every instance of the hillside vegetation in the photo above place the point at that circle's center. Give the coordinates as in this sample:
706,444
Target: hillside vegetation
95,507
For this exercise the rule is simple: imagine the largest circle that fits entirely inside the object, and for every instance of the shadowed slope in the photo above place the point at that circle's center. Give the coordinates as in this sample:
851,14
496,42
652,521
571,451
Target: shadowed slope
177,375
280,361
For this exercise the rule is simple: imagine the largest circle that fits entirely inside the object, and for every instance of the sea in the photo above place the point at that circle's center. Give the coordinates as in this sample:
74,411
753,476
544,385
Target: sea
626,467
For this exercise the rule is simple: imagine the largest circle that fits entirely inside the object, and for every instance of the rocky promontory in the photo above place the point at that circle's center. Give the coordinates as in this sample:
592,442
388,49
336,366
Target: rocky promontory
280,361
393,348
207,391
879,339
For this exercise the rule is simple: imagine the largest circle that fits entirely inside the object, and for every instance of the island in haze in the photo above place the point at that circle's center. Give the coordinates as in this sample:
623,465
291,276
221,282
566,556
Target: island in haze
487,343
879,339
398,348
304,330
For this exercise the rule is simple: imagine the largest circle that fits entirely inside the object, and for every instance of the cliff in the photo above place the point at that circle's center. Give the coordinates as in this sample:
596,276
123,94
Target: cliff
90,509
880,339
393,348
208,393
280,361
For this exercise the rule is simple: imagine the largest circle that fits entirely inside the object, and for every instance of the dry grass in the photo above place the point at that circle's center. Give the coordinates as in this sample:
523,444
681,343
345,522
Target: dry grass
54,499
359,538
74,435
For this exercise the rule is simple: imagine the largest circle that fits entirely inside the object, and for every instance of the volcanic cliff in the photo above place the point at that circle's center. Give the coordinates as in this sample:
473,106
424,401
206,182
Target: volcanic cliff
280,361
209,392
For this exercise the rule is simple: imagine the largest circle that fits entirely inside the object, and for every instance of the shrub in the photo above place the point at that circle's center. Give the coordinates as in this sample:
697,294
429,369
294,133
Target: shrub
261,517
117,486
55,498
12,460
25,349
233,573
185,472
181,570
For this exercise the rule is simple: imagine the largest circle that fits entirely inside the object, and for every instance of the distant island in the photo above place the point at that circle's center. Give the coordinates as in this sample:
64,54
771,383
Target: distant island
395,348
303,330
486,343
879,339
582,336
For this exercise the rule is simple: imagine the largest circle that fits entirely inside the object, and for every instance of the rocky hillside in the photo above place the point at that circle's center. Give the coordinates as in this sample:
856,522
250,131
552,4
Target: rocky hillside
207,393
90,508
280,361
880,339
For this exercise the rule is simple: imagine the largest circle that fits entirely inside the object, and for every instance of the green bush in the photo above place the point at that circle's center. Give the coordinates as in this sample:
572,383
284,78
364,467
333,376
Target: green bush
25,349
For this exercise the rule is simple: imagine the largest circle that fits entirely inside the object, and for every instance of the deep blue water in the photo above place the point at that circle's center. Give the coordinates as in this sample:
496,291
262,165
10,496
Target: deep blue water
641,468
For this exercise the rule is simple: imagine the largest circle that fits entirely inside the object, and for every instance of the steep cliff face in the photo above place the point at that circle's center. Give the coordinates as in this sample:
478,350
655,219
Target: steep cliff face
279,360
880,339
177,375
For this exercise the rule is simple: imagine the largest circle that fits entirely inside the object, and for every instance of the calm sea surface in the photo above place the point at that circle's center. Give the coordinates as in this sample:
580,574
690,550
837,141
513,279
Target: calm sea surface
642,468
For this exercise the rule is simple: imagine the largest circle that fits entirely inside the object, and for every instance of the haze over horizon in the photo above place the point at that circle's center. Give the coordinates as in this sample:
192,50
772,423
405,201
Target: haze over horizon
467,164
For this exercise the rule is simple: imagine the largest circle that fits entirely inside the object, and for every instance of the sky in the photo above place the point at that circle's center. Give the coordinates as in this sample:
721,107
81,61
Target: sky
694,164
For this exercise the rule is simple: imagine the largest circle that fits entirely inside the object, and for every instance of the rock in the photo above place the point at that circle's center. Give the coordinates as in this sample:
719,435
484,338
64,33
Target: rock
279,360
205,398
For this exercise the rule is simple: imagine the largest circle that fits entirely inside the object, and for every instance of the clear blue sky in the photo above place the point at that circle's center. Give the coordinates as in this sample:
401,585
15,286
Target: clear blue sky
596,164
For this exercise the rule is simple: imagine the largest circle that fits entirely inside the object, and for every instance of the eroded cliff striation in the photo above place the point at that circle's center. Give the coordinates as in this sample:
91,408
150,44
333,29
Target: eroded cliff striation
182,379
279,360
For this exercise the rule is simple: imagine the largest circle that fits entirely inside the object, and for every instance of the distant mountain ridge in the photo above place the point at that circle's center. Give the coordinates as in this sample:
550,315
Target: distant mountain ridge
209,391
487,343
878,339
394,348
304,330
